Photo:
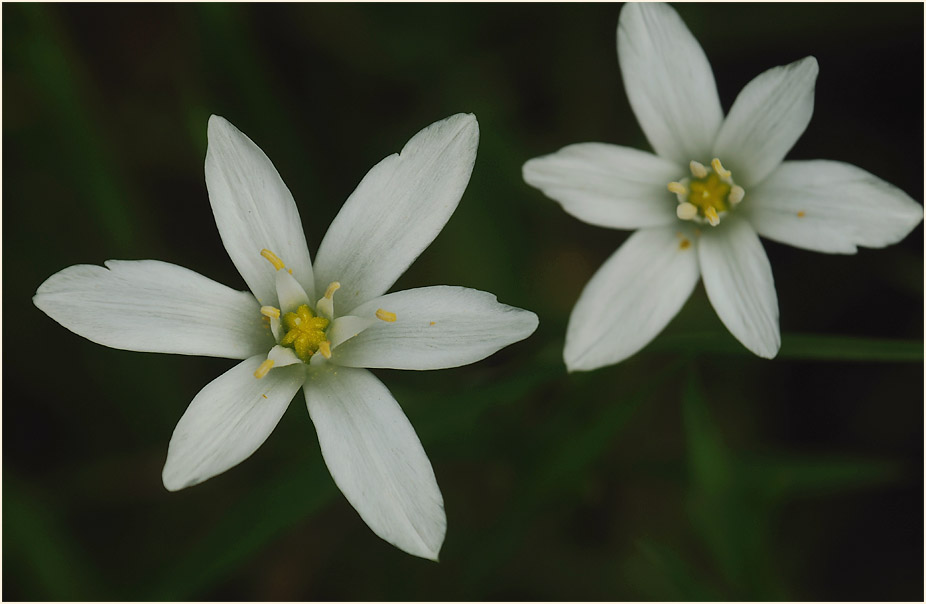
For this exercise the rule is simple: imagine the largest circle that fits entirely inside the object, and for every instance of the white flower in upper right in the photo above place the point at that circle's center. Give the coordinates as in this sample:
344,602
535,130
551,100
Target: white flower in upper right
700,203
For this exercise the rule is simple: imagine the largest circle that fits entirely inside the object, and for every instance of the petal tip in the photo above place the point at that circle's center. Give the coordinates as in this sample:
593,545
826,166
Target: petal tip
769,353
173,481
170,481
217,121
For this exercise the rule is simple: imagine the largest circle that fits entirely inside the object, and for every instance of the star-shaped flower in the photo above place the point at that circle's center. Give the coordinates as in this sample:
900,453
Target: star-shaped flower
289,339
714,185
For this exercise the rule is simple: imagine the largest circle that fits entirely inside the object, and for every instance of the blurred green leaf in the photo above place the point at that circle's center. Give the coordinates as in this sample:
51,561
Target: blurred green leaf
838,348
787,476
58,73
708,460
733,525
797,347
245,527
666,575
47,562
574,446
733,497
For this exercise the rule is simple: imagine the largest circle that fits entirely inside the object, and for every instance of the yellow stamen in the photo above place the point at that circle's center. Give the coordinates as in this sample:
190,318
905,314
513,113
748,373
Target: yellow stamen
325,349
270,312
385,315
801,214
264,369
684,244
719,169
697,169
677,188
736,194
712,216
432,324
686,211
273,258
333,287
264,395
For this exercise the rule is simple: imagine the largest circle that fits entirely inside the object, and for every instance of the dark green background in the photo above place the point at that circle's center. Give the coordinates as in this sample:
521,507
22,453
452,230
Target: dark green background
692,471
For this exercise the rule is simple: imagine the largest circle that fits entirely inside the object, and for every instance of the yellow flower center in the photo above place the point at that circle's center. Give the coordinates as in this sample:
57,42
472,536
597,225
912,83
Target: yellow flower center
304,332
708,195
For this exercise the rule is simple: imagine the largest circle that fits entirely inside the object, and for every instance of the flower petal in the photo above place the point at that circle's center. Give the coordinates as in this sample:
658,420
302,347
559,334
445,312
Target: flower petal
435,328
289,293
669,82
254,211
767,118
607,185
282,356
739,284
397,210
631,298
227,421
152,306
347,327
831,207
376,459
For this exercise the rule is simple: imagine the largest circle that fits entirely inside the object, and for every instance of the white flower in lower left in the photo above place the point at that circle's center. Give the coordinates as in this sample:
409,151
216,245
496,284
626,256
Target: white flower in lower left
289,339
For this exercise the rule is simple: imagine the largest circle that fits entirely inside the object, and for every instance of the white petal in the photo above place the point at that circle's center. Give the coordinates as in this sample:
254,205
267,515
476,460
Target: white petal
831,207
289,293
283,356
435,328
739,284
631,298
254,211
397,210
607,185
767,118
376,459
668,81
345,328
227,421
153,306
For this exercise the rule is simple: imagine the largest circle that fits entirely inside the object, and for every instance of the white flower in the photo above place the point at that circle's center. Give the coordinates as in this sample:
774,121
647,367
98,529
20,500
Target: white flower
290,339
699,204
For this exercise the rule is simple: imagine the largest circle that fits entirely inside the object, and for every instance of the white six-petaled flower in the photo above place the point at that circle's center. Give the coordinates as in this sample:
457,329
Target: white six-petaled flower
699,204
289,337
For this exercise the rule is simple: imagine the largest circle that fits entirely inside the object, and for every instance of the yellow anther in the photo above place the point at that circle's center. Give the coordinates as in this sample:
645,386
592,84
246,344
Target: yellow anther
677,188
712,216
385,315
432,324
801,214
333,287
270,312
719,169
264,369
273,258
736,194
325,349
697,169
684,244
264,395
686,211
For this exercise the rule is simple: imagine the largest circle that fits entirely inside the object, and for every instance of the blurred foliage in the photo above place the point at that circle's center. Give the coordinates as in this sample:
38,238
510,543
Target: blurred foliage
692,471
